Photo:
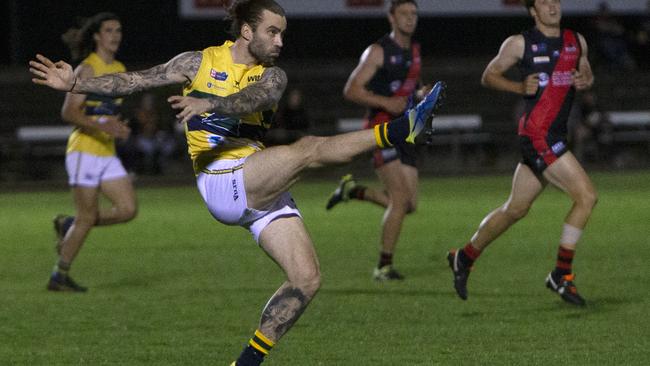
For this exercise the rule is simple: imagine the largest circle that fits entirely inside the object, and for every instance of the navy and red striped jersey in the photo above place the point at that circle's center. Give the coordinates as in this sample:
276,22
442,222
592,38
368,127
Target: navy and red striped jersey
554,58
399,75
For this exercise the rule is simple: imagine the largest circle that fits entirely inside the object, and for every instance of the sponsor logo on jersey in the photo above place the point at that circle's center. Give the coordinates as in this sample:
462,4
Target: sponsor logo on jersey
562,78
541,59
541,47
218,75
235,193
215,86
396,59
215,140
569,57
558,147
254,78
570,53
394,85
571,48
543,79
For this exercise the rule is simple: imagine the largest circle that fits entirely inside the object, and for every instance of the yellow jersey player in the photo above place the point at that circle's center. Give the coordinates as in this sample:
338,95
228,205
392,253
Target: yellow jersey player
214,136
229,94
91,163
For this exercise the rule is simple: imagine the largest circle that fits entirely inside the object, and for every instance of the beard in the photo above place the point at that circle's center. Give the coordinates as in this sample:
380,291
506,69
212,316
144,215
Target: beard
258,50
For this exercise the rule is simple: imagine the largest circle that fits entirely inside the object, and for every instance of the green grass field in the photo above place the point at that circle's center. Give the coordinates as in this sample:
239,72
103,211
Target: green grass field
174,287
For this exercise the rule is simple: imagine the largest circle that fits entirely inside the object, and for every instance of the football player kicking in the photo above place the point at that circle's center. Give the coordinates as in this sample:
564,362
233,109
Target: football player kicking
230,93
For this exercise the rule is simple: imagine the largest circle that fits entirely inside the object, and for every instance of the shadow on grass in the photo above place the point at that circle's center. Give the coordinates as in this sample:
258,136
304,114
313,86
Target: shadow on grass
382,291
139,281
595,306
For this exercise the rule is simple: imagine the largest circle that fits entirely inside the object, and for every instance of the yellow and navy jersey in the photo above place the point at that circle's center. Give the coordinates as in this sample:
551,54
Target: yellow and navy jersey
94,141
211,136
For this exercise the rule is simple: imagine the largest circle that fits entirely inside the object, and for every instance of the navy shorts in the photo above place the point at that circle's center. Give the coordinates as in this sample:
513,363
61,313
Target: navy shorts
540,153
406,153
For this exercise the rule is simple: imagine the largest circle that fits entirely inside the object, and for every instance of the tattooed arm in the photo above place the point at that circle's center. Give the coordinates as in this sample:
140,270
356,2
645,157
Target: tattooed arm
256,97
180,69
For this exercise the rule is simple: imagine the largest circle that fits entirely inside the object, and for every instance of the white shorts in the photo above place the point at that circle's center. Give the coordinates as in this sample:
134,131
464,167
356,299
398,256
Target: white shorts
87,170
225,196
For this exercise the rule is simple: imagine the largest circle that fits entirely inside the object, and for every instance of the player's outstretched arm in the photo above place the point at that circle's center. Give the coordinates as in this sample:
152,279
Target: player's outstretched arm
59,76
260,96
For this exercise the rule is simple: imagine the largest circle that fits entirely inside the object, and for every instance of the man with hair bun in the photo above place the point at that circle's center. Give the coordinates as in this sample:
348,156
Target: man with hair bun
229,95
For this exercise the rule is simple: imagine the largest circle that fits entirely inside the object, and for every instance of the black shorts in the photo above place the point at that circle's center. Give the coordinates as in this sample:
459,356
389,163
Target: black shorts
538,154
406,153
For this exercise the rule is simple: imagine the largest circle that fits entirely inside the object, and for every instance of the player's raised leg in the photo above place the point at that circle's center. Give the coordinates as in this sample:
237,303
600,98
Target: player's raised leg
270,172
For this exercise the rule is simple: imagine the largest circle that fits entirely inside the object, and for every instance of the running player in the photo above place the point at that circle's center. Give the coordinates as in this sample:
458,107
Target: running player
387,77
554,64
92,165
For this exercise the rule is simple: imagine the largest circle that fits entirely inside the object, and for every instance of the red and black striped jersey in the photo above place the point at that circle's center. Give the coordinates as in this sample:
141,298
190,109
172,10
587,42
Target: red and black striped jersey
554,59
399,75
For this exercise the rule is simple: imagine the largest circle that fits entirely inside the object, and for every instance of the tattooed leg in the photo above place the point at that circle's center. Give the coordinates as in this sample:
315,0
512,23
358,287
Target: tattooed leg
283,310
297,258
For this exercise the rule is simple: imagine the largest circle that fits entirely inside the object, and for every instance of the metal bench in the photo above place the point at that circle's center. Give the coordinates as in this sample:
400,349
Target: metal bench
36,147
629,126
43,141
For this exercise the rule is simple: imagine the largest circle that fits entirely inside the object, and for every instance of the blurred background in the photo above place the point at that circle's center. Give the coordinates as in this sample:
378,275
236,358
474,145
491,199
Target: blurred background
610,125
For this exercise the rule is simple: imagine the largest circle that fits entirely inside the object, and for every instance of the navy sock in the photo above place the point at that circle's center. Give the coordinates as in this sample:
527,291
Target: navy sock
250,357
393,132
67,223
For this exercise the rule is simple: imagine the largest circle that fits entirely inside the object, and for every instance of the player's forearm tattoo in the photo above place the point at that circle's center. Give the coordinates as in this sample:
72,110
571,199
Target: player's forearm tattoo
282,311
259,96
180,69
